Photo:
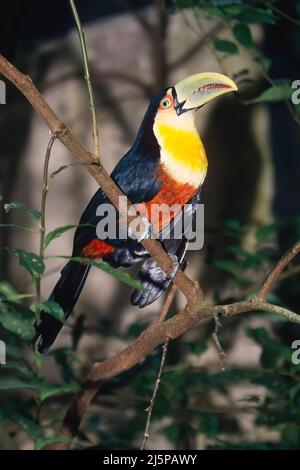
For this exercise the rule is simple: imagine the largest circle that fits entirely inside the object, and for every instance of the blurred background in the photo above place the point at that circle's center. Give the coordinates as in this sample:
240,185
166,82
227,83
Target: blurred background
252,209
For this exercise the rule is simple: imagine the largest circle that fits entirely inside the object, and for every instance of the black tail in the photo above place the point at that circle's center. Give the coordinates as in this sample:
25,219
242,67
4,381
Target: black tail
65,293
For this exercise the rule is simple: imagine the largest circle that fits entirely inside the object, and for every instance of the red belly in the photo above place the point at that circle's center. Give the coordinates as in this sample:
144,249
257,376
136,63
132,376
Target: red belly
97,249
171,193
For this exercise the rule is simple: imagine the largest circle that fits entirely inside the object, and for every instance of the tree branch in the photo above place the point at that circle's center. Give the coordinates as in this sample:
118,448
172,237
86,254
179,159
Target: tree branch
96,169
80,30
42,223
155,390
195,311
277,270
148,340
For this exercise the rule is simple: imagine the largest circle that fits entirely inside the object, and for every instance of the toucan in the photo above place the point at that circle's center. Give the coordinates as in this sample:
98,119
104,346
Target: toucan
166,165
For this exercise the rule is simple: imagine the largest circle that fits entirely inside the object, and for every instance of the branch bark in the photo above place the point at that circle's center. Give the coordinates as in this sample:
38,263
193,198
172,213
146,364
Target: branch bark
96,169
195,311
273,276
149,339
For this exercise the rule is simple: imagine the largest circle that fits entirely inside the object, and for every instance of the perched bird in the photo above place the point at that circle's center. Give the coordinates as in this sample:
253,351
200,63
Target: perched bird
166,165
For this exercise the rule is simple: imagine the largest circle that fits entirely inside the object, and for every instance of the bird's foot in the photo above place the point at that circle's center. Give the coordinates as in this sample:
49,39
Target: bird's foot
176,266
142,232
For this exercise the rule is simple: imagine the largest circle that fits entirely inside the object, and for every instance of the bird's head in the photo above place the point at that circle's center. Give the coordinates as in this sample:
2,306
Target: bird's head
175,108
178,104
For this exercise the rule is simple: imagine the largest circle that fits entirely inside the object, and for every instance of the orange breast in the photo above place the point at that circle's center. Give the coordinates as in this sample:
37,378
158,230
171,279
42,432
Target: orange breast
172,195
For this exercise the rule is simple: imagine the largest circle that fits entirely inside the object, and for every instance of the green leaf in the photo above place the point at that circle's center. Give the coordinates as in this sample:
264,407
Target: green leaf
209,424
53,309
9,292
228,266
25,423
196,347
42,442
281,91
65,167
15,383
60,169
18,205
272,350
104,266
234,225
22,369
264,232
222,45
233,228
172,432
237,11
46,391
26,229
237,251
294,391
13,321
222,3
290,435
33,263
250,14
243,35
57,232
265,63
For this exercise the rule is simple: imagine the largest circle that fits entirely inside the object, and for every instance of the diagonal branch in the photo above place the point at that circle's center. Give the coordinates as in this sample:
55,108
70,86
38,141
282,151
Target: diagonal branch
148,340
277,270
195,311
96,169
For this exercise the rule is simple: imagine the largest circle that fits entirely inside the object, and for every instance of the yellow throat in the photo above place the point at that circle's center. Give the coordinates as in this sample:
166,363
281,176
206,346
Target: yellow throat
182,152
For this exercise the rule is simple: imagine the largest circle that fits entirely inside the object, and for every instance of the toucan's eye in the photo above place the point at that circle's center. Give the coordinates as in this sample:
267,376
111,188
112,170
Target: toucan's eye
165,103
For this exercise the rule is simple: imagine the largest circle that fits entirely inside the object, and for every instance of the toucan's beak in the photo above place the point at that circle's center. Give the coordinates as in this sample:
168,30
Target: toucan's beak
197,90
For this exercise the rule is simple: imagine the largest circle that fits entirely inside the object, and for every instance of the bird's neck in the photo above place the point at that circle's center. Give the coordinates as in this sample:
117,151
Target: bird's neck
182,153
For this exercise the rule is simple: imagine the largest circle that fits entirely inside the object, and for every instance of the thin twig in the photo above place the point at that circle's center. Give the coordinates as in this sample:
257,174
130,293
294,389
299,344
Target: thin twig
43,222
292,271
80,30
280,12
217,341
160,319
155,390
273,276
